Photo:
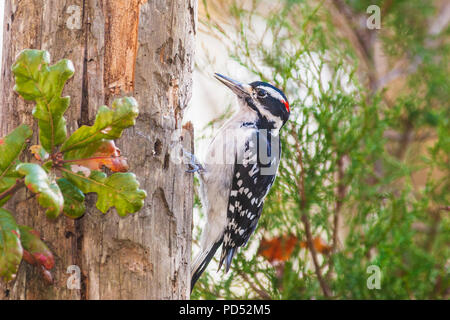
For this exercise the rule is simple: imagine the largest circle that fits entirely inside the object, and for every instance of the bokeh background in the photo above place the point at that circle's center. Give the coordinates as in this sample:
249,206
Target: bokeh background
360,208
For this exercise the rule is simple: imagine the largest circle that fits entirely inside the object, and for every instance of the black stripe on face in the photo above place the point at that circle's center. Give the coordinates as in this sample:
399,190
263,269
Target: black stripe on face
272,99
265,85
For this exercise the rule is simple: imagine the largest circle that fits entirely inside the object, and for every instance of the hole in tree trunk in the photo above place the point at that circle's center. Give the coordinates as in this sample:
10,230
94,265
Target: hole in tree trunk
157,147
166,161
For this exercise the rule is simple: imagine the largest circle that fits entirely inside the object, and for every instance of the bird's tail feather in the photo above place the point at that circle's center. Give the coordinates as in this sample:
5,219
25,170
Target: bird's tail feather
201,262
227,257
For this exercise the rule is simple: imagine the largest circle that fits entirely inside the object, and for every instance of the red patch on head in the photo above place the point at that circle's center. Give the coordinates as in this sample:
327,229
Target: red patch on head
287,106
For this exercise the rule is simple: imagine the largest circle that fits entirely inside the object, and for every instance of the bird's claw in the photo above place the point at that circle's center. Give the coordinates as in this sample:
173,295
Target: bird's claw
195,168
193,162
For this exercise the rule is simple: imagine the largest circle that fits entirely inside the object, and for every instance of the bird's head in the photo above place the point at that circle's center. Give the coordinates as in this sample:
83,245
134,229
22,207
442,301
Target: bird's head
269,102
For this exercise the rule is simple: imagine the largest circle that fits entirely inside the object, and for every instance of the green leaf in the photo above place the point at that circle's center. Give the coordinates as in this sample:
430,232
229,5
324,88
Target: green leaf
49,195
10,149
12,145
109,124
35,250
120,190
73,199
37,81
10,247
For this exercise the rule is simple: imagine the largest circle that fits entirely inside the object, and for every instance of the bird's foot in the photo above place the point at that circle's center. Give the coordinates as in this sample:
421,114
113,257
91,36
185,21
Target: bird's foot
192,162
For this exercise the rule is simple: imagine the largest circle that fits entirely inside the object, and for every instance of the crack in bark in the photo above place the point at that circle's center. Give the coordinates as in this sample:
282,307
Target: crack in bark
84,120
84,110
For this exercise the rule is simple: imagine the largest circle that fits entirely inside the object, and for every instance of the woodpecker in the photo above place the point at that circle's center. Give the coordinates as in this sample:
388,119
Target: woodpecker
238,171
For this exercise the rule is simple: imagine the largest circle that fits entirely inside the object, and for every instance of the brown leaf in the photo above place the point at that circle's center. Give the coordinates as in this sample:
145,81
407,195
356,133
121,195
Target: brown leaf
319,244
277,249
39,153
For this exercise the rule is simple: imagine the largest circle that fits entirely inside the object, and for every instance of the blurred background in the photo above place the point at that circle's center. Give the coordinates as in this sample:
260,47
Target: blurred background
360,207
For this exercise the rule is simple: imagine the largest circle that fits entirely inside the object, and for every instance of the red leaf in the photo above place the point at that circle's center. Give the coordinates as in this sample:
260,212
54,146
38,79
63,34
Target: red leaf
45,259
35,251
28,257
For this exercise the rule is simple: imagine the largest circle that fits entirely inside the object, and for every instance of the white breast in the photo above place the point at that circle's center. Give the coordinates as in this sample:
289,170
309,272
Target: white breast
215,181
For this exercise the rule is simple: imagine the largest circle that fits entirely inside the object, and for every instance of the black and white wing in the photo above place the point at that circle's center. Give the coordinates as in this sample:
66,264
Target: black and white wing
252,179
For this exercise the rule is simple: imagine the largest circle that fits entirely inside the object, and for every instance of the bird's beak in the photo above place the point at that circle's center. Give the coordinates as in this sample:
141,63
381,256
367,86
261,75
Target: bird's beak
240,89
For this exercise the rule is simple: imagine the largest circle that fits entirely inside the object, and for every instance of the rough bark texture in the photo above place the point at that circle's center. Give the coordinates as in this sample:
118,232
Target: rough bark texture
132,47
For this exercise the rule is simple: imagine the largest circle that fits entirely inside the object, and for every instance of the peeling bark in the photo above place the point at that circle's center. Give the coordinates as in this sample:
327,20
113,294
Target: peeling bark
121,44
132,47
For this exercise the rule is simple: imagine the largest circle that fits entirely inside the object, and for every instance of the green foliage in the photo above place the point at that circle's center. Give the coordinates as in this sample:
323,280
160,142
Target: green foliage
67,168
39,82
10,148
74,206
108,125
10,247
120,190
367,171
37,181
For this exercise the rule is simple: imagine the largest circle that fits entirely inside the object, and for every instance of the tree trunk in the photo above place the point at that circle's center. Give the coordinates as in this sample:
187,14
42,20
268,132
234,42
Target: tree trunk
132,47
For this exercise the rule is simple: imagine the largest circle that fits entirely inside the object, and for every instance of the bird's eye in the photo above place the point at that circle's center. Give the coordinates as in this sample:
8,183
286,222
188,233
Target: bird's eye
261,93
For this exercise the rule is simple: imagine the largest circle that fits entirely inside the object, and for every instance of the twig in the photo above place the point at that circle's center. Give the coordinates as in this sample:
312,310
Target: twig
262,293
417,137
309,239
341,191
361,37
19,184
435,215
325,289
340,195
405,140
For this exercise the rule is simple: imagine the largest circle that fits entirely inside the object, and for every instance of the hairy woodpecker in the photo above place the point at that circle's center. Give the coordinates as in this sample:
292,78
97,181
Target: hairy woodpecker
238,171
